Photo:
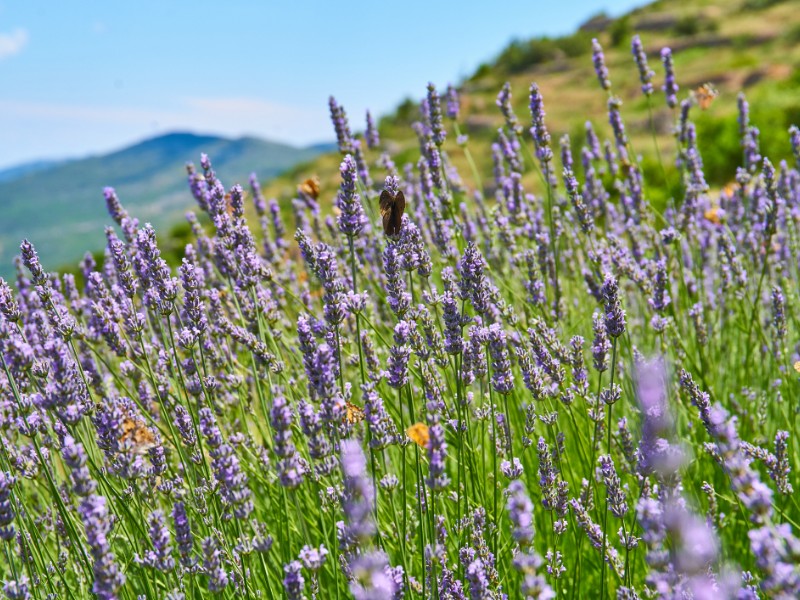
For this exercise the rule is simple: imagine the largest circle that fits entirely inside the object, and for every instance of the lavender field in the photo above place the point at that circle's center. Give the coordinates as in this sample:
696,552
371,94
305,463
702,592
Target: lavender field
559,392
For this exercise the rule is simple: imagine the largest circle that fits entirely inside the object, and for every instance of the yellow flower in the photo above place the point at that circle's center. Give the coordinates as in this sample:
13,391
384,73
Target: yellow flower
797,366
418,433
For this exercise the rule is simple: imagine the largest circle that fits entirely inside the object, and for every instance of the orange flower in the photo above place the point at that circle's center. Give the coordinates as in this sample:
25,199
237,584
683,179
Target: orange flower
418,433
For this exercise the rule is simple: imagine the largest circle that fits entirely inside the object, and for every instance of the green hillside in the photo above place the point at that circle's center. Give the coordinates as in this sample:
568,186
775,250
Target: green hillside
61,209
740,45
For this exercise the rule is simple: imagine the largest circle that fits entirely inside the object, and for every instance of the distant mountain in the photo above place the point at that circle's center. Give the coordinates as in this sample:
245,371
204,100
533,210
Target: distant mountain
60,207
27,168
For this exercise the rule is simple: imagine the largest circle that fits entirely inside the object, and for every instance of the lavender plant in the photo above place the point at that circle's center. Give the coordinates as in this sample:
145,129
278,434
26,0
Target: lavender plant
336,413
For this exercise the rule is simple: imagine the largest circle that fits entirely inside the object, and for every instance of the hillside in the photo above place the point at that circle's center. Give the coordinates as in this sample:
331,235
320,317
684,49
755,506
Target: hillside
60,208
741,45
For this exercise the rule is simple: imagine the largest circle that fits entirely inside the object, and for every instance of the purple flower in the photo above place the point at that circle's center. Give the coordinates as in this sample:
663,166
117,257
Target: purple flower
160,557
75,458
617,503
290,467
794,138
541,137
371,133
122,265
108,578
640,57
520,511
183,535
599,60
358,527
313,558
581,209
9,307
435,116
452,102
399,354
670,86
293,582
373,578
478,581
474,284
193,307
779,313
7,531
160,288
615,120
502,377
453,324
17,589
437,458
399,300
661,298
614,315
533,586
547,475
232,480
361,164
212,565
744,114
776,548
340,124
504,103
31,261
656,454
510,150
382,429
779,468
512,470
411,250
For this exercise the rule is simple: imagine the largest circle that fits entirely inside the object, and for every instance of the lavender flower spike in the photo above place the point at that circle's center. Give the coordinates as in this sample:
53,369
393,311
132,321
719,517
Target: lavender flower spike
614,315
435,116
599,60
371,134
640,57
108,578
670,86
352,219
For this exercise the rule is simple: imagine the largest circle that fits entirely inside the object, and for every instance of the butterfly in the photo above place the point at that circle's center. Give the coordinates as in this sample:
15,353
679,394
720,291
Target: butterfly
392,208
712,214
704,95
353,414
310,187
419,434
136,435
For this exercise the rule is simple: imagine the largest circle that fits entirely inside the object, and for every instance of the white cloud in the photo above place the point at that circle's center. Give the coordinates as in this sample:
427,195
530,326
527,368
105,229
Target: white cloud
12,43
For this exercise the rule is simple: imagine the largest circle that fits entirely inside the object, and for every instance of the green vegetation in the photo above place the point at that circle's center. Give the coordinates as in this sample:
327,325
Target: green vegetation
61,208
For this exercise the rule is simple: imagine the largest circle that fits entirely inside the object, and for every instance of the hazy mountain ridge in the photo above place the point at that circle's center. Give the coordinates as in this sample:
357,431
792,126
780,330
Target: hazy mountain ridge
60,207
21,170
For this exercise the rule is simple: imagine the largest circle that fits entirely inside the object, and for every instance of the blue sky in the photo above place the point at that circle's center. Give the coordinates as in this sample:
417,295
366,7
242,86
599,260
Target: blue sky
87,77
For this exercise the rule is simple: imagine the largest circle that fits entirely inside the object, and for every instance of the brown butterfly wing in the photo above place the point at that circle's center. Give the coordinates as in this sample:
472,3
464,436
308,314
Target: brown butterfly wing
313,183
392,209
386,210
398,210
310,187
354,414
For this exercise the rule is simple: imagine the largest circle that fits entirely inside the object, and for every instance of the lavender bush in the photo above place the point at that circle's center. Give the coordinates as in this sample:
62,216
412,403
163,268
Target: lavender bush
561,393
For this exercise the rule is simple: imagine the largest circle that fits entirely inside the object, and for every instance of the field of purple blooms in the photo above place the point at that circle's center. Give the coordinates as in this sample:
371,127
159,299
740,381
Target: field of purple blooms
566,394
